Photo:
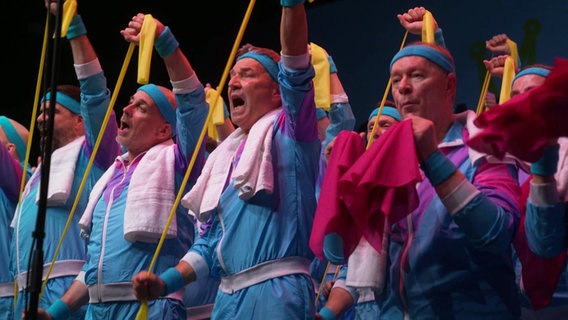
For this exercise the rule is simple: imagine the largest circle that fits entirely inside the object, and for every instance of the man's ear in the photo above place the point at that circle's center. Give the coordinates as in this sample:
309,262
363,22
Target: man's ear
11,148
165,131
276,96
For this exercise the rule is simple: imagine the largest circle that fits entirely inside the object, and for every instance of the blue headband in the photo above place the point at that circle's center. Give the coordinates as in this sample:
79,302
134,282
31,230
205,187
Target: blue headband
166,109
14,137
534,70
269,65
387,111
425,52
64,100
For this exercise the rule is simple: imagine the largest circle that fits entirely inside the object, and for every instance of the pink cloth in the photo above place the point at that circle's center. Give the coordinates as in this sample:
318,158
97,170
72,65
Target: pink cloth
539,276
361,189
522,125
331,214
382,183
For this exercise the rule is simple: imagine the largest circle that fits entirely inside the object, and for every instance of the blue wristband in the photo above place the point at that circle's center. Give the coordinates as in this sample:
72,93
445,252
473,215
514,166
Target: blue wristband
332,67
291,3
173,280
76,28
548,162
59,310
327,314
438,168
166,43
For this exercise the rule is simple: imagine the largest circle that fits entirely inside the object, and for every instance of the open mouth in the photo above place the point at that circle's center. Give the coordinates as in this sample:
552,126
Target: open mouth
237,102
124,126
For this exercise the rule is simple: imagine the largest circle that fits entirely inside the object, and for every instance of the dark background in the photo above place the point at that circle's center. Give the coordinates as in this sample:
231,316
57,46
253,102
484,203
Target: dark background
361,35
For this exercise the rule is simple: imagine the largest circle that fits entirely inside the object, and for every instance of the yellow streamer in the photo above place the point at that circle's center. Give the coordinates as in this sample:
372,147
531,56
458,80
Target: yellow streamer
322,77
218,116
35,107
69,8
143,311
514,52
147,35
385,94
428,28
508,75
91,160
484,88
322,283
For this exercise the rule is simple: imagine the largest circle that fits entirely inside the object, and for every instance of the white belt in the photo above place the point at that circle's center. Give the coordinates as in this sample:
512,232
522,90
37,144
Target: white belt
264,271
199,312
61,268
120,291
6,289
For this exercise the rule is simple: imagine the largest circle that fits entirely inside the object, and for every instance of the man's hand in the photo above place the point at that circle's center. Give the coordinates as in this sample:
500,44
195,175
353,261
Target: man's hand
412,20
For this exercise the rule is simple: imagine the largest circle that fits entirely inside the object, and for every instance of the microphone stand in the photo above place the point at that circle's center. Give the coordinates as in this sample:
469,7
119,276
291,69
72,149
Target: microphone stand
35,282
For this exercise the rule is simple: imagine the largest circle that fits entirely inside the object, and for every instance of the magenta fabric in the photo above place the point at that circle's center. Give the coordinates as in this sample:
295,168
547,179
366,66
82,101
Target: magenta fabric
331,214
522,125
381,184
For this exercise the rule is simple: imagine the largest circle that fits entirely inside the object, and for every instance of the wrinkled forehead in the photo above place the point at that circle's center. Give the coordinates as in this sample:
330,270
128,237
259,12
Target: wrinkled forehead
527,81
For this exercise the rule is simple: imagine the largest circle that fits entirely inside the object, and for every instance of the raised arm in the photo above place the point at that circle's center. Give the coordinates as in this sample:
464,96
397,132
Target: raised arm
293,28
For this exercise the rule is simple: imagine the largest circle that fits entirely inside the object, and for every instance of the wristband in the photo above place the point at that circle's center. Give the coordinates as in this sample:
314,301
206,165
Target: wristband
438,168
59,310
291,3
173,280
166,43
332,67
327,314
548,162
76,28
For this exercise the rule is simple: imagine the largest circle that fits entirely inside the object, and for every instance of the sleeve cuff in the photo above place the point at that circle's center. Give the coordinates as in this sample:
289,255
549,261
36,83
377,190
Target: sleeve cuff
300,62
187,85
88,69
198,264
543,194
460,197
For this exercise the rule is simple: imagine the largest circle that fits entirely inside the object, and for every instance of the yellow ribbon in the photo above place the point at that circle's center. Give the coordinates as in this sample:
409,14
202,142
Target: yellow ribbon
513,52
385,94
484,88
428,29
69,8
321,79
146,44
218,116
508,75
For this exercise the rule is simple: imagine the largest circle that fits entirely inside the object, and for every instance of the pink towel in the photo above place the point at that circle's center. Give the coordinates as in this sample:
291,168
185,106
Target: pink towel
382,183
331,214
362,188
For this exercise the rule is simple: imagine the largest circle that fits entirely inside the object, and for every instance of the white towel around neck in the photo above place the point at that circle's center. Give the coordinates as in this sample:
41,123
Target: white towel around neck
252,174
150,199
61,173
